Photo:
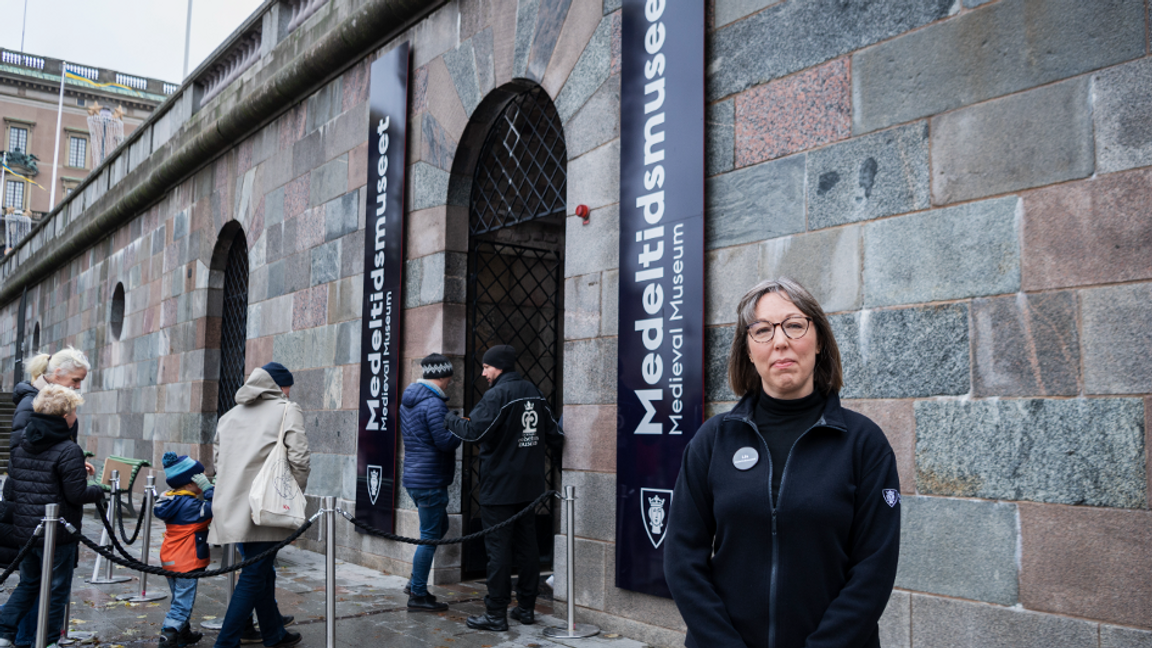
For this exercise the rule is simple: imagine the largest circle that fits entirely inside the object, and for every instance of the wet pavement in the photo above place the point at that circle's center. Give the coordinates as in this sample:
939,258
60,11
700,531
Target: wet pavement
370,607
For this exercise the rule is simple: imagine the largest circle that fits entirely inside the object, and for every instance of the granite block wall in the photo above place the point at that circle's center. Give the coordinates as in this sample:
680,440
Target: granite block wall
963,185
966,191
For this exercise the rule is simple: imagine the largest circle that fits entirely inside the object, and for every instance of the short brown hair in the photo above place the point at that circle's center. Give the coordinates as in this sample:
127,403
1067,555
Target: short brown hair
57,400
742,375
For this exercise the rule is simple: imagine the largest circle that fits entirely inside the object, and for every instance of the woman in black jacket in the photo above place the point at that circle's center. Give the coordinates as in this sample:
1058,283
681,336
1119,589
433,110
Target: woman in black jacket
47,468
785,526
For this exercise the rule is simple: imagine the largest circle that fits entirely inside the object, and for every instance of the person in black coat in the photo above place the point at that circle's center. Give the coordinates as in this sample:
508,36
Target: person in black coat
47,468
68,367
784,525
429,467
511,424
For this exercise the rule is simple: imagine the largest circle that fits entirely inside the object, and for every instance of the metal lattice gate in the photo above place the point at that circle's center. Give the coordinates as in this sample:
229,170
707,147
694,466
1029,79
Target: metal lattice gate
233,324
515,291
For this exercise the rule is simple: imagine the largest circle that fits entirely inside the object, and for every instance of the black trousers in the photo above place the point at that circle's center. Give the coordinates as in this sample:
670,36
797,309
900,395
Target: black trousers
512,546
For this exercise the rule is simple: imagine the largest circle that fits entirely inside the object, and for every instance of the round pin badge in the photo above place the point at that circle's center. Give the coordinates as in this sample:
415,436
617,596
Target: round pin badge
745,458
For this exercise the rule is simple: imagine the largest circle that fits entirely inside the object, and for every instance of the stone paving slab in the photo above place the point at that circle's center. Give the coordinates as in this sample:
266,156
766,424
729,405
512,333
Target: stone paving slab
370,607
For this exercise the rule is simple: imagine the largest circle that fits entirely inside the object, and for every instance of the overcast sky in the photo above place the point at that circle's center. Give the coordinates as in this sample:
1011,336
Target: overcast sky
139,37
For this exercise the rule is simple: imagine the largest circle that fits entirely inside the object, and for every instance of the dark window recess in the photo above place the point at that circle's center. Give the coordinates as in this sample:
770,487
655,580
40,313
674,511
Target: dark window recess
36,339
233,324
116,317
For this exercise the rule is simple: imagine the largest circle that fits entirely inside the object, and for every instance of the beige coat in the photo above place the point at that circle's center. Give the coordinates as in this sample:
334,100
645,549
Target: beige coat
244,438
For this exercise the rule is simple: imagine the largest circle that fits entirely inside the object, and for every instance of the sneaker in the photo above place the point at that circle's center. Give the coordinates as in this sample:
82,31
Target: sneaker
251,634
426,602
5,643
169,638
526,616
488,621
186,636
289,639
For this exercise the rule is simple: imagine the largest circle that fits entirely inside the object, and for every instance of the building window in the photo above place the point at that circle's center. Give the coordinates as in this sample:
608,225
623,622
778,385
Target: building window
116,317
77,151
14,194
17,139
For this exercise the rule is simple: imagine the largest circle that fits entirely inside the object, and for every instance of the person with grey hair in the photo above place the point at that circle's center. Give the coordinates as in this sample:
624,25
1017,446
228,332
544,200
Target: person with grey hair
785,527
68,367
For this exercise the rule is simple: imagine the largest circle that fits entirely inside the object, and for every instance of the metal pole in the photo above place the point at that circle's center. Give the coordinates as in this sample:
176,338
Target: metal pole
329,504
51,511
59,123
70,637
228,560
573,630
187,39
149,498
105,541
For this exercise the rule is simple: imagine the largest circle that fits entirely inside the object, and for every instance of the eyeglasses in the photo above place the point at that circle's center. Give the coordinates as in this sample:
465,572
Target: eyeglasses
794,328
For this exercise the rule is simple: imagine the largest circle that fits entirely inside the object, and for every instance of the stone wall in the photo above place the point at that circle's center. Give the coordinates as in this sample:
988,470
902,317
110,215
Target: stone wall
964,186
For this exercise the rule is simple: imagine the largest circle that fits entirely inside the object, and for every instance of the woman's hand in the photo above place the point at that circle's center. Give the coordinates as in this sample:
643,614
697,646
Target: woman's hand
89,468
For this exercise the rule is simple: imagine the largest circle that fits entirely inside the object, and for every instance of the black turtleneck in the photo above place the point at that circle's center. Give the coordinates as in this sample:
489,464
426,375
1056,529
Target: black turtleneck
781,422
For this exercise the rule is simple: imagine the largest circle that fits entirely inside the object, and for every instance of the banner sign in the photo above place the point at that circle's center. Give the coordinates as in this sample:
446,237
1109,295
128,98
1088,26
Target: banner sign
380,368
660,390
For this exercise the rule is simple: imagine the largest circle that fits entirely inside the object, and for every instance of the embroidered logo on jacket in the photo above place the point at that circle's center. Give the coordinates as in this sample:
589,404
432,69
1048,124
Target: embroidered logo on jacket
654,513
891,496
530,419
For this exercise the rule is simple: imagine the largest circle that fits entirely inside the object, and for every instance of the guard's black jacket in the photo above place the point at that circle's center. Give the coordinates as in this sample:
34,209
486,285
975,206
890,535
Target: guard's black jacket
47,468
815,572
511,424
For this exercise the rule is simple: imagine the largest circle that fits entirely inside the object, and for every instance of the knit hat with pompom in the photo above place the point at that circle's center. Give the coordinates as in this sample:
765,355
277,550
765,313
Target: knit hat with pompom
179,469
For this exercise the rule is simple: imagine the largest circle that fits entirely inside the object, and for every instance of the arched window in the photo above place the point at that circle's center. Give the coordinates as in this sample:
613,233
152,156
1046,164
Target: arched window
116,317
233,322
36,338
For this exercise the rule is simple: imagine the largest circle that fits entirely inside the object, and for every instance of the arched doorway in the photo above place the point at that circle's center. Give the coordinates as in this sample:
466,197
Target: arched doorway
516,215
229,283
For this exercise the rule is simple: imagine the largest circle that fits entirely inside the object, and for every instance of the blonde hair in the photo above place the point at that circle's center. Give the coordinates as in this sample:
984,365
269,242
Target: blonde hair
69,359
57,400
36,366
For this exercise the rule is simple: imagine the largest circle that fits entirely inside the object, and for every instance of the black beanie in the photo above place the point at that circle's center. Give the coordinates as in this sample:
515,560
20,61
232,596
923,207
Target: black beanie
279,373
501,356
436,366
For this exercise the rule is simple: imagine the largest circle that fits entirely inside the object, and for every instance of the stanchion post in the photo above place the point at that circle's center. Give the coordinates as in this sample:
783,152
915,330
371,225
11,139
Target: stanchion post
149,500
329,505
68,637
51,513
105,541
572,630
228,560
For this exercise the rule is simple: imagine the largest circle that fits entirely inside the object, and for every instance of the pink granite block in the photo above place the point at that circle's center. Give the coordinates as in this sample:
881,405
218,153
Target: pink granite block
310,229
292,125
257,353
358,166
793,114
897,420
590,437
350,393
244,158
310,307
168,314
419,91
355,86
256,224
296,196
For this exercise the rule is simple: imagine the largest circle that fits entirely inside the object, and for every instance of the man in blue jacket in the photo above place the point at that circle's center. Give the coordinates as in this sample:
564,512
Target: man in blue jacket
429,467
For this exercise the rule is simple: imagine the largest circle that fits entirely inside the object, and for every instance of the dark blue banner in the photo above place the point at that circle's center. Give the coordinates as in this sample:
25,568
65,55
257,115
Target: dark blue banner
380,368
660,393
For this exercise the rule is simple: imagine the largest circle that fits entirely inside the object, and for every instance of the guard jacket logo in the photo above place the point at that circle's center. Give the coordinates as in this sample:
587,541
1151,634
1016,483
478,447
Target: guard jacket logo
529,419
654,513
375,477
891,496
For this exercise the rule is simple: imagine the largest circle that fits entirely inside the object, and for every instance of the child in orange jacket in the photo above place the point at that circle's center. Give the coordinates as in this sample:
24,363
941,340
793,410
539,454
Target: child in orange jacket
186,510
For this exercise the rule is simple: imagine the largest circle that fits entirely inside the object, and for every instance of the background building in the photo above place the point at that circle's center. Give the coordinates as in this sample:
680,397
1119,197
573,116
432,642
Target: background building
29,97
964,185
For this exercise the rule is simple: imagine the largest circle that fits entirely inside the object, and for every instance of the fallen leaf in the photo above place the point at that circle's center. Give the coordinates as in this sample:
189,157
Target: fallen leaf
77,621
207,617
142,616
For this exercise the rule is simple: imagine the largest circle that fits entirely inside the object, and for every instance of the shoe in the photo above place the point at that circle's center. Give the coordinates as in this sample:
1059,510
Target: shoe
426,602
408,588
186,636
252,635
169,638
5,643
526,616
488,621
287,619
290,638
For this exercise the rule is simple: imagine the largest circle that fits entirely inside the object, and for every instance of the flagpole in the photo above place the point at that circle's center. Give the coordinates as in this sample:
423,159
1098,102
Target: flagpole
3,186
187,39
59,120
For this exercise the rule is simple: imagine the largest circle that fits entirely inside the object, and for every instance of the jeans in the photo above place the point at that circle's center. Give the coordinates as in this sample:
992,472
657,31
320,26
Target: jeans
433,506
255,590
24,597
183,597
513,545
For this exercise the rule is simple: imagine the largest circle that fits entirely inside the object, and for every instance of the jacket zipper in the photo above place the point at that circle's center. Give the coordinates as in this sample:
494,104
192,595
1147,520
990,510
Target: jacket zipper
772,508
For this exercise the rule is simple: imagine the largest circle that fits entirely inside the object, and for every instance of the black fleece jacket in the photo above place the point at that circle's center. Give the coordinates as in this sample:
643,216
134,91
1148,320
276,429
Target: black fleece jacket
816,570
47,468
511,424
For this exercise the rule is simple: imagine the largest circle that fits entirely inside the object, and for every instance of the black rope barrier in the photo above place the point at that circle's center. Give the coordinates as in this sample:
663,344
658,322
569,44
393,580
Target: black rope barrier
136,565
120,519
15,564
363,526
100,508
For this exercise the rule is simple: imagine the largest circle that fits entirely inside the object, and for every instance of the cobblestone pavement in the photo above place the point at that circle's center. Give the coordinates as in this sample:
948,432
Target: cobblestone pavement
370,607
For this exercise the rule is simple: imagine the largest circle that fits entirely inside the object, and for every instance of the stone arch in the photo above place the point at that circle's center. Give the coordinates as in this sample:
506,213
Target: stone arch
226,321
